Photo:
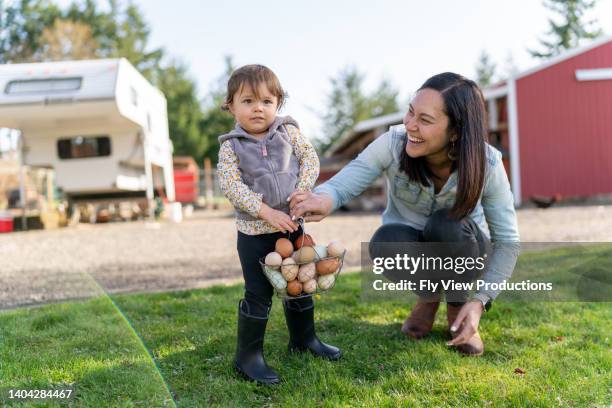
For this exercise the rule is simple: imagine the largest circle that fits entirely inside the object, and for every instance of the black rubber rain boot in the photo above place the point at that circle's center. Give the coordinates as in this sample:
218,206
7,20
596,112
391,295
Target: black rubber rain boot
249,360
299,314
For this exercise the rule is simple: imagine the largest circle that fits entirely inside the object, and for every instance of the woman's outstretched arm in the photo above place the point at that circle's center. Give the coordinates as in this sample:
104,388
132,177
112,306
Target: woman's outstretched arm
351,181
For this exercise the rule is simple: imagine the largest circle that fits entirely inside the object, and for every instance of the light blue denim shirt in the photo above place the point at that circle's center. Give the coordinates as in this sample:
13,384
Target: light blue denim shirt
411,203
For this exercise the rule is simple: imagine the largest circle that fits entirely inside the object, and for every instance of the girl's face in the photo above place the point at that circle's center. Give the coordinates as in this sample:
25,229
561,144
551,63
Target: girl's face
253,114
427,127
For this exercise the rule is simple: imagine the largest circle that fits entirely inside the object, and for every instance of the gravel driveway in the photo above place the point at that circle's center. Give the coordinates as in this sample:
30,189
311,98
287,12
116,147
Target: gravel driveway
46,266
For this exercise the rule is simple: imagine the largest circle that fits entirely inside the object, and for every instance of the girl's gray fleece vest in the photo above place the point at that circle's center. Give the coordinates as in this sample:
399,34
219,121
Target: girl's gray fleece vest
268,166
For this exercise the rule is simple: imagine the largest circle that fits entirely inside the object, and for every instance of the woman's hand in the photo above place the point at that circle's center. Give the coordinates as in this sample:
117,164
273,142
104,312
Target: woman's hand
314,207
277,219
466,323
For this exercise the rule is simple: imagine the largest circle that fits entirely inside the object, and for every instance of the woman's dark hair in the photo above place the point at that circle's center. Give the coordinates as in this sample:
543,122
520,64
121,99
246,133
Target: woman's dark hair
253,75
464,106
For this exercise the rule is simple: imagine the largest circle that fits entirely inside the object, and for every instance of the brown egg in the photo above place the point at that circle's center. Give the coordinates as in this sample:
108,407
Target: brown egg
294,288
303,240
327,266
284,247
305,254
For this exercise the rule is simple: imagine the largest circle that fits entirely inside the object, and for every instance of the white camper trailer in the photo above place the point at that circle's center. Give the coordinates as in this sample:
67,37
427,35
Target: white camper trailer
99,124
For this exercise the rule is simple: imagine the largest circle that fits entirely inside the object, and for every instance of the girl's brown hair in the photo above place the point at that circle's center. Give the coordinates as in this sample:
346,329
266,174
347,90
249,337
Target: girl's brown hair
464,106
253,75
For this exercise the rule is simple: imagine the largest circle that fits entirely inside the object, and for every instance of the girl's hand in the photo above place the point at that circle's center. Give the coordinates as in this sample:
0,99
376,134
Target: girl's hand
277,219
466,323
315,207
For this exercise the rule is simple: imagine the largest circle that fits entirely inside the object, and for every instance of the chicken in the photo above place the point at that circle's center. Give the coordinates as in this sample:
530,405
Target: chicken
545,201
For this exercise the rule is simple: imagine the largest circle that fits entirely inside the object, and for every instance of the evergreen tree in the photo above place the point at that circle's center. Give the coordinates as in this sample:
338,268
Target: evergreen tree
347,104
510,68
21,26
184,113
485,69
570,29
66,40
215,121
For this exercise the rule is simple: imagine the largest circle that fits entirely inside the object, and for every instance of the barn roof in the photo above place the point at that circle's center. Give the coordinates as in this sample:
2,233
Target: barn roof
498,89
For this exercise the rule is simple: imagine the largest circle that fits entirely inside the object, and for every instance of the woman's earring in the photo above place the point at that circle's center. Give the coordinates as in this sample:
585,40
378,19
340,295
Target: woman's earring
452,154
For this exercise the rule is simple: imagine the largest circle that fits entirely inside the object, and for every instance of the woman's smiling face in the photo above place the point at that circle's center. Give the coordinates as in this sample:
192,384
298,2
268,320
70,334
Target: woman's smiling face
426,124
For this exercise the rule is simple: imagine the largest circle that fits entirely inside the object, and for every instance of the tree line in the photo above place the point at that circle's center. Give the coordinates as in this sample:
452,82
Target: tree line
40,30
567,28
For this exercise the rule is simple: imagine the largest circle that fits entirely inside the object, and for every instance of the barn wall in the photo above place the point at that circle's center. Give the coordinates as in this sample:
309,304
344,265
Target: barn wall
565,128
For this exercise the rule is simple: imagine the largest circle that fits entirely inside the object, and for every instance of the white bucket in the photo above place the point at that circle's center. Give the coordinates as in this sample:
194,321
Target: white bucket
175,212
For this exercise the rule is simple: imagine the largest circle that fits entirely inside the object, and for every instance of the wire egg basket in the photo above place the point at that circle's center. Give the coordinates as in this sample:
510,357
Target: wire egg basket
309,277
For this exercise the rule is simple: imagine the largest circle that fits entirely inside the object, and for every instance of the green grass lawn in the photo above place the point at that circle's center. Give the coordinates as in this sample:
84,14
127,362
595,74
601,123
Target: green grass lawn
562,349
86,344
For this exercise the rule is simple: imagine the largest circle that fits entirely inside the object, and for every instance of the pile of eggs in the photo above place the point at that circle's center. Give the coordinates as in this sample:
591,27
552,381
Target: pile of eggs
302,266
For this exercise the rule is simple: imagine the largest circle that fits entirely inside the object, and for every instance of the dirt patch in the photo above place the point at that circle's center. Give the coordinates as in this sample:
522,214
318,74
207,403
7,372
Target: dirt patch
47,266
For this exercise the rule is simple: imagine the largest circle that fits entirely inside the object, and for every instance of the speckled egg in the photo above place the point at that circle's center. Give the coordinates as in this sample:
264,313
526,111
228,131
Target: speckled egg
310,286
289,269
307,272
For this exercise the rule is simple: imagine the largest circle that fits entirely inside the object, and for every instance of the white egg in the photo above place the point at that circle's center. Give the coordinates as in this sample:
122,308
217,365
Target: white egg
325,282
273,259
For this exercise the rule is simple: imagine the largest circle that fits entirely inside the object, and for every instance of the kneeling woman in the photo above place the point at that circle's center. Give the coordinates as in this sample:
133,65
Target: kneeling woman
445,184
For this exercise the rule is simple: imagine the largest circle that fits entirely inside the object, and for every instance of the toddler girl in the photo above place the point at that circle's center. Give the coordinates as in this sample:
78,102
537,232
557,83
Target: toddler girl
261,162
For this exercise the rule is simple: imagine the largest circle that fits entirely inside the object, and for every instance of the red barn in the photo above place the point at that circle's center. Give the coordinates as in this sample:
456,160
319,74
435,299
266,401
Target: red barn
553,123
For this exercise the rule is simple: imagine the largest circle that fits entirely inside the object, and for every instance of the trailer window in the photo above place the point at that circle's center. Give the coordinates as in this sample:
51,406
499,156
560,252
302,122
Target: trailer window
82,147
134,96
33,86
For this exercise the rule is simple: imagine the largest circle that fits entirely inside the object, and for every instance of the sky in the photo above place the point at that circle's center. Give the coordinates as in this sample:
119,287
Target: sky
308,42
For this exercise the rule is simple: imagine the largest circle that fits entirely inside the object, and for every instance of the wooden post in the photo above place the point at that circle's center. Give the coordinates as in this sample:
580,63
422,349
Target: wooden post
50,191
22,180
208,181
